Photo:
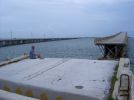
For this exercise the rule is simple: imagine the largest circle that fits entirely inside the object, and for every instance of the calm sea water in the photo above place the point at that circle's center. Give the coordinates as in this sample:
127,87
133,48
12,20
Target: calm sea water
77,48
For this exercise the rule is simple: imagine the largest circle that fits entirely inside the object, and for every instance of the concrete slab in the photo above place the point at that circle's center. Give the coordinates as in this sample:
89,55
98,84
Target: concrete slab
4,95
57,78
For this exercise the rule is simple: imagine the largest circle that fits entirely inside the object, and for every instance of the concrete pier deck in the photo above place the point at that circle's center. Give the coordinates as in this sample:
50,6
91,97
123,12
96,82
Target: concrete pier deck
59,79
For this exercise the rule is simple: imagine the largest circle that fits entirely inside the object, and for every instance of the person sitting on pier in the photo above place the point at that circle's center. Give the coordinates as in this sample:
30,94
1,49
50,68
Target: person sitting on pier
32,54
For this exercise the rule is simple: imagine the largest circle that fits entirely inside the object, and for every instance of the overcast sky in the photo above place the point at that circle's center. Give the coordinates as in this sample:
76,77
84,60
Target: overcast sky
65,18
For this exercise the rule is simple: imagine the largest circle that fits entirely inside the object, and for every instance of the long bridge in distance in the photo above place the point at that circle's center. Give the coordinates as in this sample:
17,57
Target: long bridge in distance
9,42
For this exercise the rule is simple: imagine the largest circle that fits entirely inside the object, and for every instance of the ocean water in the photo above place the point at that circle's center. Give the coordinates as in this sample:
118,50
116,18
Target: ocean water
76,48
83,48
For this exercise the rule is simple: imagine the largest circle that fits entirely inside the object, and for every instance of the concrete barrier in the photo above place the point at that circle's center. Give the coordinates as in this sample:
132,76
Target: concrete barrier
5,95
124,85
14,60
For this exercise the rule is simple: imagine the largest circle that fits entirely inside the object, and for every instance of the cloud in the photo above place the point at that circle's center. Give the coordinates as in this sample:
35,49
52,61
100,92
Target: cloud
85,1
65,17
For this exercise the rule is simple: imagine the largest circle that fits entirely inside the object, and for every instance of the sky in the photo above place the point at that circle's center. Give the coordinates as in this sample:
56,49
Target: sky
65,18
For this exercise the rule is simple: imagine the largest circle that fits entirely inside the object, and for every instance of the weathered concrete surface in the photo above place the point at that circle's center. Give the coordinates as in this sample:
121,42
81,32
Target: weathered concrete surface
113,47
4,95
64,79
120,38
124,69
13,60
